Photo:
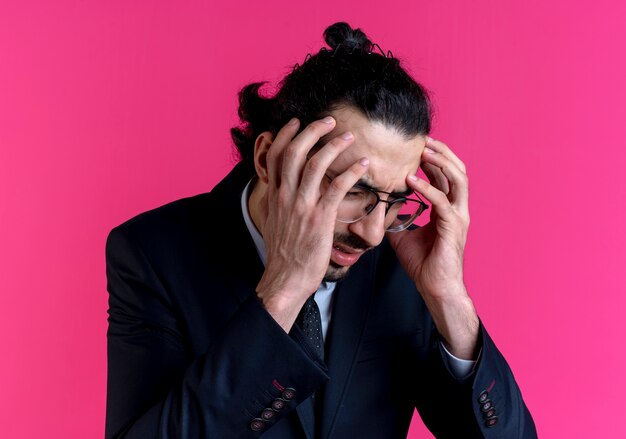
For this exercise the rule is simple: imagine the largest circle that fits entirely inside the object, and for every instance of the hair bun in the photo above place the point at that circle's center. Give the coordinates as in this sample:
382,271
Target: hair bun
341,34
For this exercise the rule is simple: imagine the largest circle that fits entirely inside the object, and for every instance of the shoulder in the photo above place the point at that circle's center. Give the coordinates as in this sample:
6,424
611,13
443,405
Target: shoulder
225,195
205,211
184,229
167,221
177,234
176,211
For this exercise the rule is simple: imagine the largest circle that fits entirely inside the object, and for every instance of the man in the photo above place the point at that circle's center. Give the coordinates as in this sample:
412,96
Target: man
297,299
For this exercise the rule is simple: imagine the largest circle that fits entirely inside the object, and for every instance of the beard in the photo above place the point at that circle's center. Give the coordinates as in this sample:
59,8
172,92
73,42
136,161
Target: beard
336,272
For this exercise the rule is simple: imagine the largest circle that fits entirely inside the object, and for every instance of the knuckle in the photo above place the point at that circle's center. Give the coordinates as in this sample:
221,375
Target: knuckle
315,128
301,208
290,152
328,152
314,164
334,143
336,185
282,196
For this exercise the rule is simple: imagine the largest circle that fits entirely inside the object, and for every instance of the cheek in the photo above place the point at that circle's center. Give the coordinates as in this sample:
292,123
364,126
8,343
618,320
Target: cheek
341,229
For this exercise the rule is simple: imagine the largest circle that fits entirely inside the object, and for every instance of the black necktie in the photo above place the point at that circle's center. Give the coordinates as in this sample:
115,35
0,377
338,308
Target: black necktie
310,322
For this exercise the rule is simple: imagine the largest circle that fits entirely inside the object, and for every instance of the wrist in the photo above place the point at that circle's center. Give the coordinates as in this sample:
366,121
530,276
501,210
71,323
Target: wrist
458,324
282,305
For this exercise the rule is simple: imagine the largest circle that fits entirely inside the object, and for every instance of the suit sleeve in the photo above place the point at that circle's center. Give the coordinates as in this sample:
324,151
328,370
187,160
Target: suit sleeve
486,404
155,391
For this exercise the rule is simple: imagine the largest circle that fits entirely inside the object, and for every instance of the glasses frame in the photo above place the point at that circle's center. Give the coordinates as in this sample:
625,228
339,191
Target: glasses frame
423,206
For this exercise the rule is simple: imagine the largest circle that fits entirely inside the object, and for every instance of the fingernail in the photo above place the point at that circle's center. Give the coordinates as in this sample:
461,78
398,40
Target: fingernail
413,177
429,139
347,135
364,161
293,121
429,151
328,120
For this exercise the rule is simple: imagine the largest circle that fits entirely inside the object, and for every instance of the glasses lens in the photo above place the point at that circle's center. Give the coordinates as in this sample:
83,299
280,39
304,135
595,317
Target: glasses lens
356,204
359,202
403,212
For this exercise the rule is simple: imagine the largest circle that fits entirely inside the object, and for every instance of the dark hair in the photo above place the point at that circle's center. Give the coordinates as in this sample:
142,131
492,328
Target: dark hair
351,73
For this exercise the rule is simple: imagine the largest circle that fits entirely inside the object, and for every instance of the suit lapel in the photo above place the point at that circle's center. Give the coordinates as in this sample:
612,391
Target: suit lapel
232,243
352,302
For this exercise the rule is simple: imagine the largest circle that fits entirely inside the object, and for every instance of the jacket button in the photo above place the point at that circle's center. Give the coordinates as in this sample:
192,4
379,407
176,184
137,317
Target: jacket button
483,396
491,421
486,406
278,404
490,413
288,394
257,424
267,414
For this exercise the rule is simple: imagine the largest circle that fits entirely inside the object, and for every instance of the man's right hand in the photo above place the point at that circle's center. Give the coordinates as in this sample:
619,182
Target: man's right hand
300,222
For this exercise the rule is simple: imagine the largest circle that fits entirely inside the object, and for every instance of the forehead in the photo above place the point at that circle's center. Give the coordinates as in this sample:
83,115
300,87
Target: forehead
392,156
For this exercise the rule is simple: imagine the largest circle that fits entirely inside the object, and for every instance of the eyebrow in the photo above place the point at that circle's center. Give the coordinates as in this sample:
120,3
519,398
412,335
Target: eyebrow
397,194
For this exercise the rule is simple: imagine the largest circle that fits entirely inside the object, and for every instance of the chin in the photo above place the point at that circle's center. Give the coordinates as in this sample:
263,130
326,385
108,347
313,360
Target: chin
335,272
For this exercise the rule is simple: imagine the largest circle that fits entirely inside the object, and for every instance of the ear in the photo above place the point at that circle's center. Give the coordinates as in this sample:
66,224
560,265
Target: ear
261,146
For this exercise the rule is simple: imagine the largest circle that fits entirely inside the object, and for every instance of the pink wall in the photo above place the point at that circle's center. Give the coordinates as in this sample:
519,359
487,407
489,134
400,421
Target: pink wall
111,108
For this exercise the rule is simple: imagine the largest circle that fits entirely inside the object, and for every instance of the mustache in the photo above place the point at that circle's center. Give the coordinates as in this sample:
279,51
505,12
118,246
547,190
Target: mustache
351,241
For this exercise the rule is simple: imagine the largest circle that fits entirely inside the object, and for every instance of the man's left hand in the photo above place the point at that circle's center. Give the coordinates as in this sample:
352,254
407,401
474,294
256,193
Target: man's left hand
433,255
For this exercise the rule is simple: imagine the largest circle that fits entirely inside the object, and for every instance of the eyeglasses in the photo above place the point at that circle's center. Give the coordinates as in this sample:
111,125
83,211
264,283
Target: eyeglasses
361,200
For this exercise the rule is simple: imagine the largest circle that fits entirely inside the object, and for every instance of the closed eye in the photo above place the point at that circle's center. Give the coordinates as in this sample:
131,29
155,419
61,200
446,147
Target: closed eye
356,194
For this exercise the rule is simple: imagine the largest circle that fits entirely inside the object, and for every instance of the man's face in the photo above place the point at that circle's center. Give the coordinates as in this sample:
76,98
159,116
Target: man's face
392,158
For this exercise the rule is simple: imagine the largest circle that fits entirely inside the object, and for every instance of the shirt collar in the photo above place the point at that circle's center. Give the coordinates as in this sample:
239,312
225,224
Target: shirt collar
254,233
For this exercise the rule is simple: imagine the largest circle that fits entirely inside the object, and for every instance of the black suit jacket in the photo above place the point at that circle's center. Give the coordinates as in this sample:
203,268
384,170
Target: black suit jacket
193,354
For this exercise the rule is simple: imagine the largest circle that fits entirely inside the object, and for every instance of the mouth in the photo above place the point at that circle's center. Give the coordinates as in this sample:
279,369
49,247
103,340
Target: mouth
344,256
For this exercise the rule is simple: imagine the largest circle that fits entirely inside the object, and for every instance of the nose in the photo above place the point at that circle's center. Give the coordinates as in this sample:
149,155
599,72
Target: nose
371,228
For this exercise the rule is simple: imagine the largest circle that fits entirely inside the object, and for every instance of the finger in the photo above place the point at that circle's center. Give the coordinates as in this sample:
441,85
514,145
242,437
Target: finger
294,155
442,148
435,176
274,153
318,165
458,193
342,183
440,203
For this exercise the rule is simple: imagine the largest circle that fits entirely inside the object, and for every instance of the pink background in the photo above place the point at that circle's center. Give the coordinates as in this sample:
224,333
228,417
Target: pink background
111,108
